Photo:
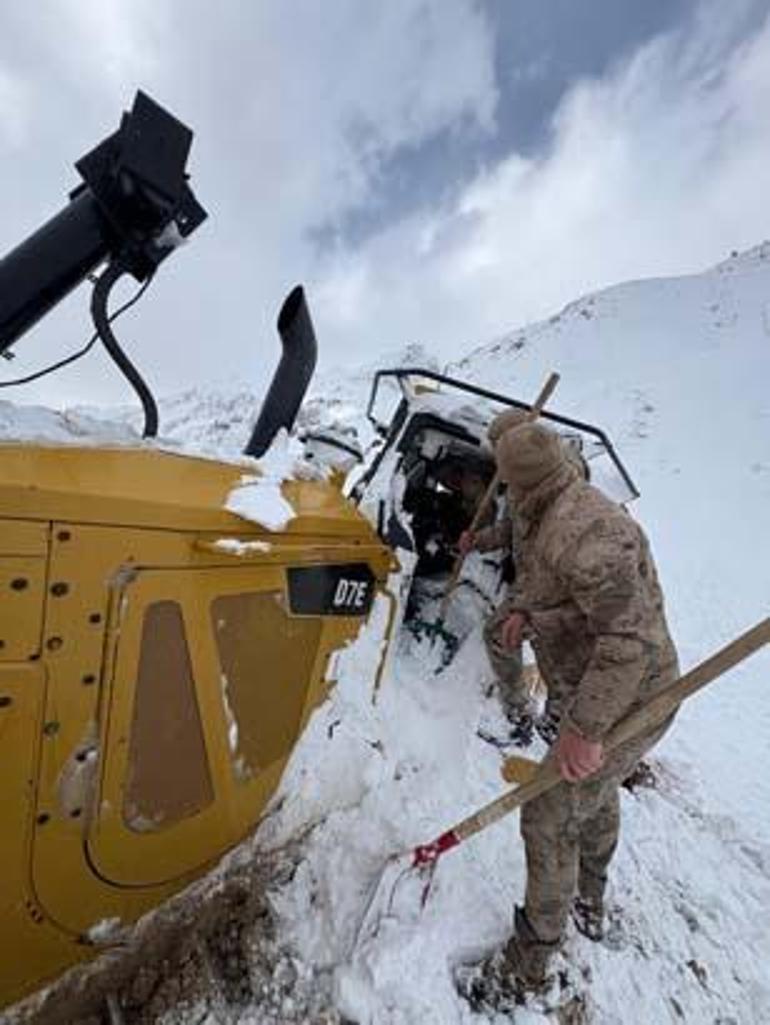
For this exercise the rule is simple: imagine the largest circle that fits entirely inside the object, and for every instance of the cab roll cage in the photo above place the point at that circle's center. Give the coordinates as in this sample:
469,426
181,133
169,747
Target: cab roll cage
403,373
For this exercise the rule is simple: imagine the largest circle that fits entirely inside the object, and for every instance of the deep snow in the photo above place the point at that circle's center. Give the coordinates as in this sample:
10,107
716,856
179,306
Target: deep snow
677,372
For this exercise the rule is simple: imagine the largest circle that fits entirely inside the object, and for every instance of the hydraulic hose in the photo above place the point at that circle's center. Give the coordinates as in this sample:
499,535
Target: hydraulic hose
104,285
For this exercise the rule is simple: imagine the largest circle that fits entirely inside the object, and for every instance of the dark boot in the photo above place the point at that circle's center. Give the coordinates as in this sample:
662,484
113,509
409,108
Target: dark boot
505,979
588,916
526,956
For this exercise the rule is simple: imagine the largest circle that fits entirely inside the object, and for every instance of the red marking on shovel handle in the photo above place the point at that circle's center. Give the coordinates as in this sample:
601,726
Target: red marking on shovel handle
429,853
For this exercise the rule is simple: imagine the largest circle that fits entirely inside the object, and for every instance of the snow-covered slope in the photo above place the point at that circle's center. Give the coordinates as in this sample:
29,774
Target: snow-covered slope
678,372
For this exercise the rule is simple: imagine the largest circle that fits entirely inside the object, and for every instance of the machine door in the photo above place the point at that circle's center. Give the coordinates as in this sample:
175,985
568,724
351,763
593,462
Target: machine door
160,812
212,681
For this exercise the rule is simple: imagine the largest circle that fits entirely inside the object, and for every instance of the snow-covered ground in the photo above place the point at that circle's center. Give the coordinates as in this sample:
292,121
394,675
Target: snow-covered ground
677,371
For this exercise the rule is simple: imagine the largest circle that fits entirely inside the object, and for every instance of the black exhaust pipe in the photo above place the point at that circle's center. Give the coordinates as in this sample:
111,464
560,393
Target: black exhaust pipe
292,377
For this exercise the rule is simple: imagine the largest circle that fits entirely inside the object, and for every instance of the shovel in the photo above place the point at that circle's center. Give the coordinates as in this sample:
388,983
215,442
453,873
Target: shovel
421,861
438,629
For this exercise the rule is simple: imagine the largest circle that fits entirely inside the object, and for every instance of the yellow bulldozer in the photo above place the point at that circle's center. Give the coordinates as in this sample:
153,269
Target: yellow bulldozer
152,681
159,654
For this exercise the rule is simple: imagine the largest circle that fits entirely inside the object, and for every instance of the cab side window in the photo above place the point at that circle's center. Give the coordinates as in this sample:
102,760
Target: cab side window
168,772
266,658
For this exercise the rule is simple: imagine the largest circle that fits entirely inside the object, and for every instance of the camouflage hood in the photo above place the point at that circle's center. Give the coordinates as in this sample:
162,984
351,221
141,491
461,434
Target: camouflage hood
506,421
527,454
531,505
534,463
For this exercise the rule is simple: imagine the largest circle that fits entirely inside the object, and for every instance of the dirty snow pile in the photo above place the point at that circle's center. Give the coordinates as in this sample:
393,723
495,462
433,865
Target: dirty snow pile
676,371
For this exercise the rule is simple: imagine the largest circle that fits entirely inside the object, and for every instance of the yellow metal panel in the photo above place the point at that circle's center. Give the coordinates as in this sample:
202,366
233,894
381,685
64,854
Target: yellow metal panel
266,660
40,953
149,488
131,858
32,947
95,564
283,549
169,776
22,690
88,562
22,599
250,797
249,794
92,562
22,537
123,853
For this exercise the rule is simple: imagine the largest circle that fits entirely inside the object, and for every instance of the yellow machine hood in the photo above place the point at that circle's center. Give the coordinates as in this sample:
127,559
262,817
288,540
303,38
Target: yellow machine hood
146,487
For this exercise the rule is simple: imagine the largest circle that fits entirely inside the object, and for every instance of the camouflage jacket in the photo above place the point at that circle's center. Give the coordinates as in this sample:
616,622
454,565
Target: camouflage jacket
588,585
504,534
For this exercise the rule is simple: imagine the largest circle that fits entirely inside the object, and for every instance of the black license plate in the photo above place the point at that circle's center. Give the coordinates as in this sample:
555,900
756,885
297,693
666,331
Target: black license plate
342,590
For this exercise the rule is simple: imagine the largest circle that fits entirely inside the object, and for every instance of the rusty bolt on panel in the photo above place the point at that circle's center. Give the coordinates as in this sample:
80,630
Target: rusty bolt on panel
35,913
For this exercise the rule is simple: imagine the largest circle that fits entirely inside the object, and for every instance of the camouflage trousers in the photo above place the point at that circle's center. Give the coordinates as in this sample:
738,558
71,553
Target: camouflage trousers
506,664
570,835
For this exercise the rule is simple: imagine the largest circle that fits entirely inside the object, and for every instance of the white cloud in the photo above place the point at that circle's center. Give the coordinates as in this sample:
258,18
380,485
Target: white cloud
117,44
660,167
333,90
14,110
296,107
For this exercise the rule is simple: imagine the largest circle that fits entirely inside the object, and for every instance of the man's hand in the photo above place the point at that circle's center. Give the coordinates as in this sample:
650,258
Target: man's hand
512,630
467,542
577,757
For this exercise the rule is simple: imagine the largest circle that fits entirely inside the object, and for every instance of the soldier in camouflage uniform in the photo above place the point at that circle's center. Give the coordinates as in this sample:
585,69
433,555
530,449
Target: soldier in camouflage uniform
506,660
587,597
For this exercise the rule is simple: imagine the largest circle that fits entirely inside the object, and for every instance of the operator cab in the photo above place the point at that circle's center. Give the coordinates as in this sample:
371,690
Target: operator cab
431,468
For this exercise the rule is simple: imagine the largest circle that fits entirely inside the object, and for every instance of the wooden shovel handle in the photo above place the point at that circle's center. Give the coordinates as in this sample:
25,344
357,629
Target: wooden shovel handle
546,392
481,509
534,412
652,714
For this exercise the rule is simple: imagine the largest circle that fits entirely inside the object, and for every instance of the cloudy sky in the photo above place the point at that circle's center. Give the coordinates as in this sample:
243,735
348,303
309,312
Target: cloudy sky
434,171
